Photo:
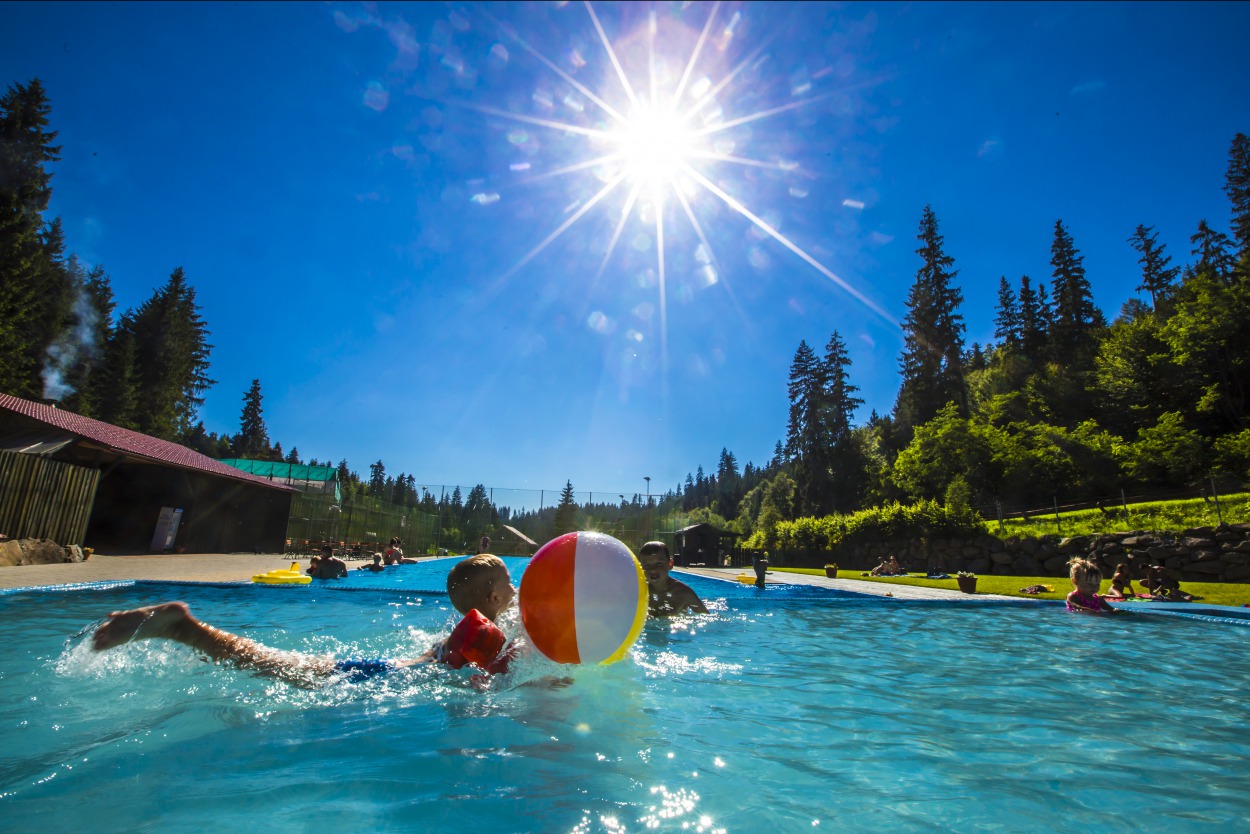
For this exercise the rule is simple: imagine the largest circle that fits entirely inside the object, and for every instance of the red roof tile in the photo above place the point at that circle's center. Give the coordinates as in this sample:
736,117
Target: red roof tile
129,442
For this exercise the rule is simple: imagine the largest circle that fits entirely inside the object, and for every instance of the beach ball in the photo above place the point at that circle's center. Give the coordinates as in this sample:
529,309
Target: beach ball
583,599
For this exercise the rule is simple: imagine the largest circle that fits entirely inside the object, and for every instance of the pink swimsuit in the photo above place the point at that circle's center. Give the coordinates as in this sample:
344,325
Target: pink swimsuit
1090,603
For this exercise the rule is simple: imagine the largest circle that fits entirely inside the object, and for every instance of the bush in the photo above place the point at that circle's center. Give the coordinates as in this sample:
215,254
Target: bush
892,522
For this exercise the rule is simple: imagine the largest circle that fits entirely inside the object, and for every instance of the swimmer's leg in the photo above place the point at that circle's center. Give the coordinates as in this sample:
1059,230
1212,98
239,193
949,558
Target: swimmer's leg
174,621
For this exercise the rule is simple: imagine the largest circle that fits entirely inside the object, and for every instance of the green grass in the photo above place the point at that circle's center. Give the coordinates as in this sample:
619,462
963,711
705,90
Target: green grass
1150,515
1212,593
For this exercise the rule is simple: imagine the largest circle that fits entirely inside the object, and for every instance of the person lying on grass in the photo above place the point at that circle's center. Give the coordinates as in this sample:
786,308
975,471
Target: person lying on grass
479,587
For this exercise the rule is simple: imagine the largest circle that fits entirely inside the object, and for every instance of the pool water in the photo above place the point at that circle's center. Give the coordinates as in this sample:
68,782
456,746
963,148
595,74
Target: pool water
784,710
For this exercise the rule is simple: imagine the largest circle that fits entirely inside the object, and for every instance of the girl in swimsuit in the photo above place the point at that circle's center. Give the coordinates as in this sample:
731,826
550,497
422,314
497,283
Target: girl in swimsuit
1121,582
1086,580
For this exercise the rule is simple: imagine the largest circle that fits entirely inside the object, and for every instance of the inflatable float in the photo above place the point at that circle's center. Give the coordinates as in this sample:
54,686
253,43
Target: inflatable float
289,576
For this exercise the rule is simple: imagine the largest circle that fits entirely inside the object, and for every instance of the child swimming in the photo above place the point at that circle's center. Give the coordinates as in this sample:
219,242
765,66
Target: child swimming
480,588
1086,580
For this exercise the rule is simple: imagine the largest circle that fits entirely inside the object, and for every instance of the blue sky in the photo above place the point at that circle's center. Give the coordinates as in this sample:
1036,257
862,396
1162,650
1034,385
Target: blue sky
350,189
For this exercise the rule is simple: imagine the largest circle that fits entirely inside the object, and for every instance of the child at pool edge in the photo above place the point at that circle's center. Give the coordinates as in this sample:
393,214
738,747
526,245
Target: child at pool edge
480,582
667,597
1086,580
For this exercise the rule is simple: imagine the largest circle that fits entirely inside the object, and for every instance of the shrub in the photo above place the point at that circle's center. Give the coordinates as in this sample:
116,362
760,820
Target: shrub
892,522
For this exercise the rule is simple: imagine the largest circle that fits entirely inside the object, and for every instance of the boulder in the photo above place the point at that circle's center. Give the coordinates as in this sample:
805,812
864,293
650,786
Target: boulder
44,552
972,552
10,553
1199,532
981,565
1206,569
1005,558
1112,547
1206,555
1158,553
1196,543
1029,545
1055,565
1237,573
1144,540
1244,547
1073,543
1026,565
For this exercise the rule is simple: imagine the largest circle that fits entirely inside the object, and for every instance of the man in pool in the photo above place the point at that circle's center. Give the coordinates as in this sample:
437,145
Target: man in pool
668,596
480,582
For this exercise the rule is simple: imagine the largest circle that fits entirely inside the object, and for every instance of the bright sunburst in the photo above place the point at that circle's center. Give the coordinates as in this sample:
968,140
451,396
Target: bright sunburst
657,148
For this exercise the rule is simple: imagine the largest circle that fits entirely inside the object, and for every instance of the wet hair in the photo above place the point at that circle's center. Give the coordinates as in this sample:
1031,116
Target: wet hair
470,580
1084,570
654,547
1122,567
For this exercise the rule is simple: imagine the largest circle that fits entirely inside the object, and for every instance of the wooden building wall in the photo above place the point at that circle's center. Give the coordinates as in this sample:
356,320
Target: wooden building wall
45,499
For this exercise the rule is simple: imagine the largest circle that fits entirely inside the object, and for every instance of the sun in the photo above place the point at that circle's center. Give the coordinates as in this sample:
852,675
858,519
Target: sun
655,145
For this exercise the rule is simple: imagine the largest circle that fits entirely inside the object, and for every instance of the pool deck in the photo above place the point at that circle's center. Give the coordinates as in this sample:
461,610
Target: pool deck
240,567
855,586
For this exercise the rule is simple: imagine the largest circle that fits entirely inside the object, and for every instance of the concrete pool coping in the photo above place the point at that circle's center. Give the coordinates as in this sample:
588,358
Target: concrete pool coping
240,567
217,568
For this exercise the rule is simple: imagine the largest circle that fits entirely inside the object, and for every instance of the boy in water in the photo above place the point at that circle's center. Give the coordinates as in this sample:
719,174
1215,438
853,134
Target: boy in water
480,582
668,596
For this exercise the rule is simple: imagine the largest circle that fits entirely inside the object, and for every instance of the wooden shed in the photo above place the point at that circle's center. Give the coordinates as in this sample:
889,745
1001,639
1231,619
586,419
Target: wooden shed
82,481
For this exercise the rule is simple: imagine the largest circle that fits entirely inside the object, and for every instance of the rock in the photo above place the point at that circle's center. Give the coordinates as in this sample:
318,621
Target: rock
1228,536
1073,543
1004,558
1026,565
1029,545
1213,568
1244,547
1206,555
1237,573
1199,532
1112,547
1194,543
43,552
1235,558
1158,553
972,552
1174,562
76,554
981,565
10,553
1056,565
1144,540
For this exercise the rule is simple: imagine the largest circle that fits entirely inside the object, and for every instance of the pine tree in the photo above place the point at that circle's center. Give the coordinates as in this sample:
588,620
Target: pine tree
93,317
253,439
377,480
172,358
1156,276
293,456
805,388
1213,251
1077,322
1007,323
566,511
843,462
1237,187
115,386
26,246
932,361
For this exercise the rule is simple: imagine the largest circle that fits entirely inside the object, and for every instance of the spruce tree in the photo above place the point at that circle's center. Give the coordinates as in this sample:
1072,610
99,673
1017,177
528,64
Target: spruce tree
845,465
93,318
28,249
1237,187
805,389
293,456
1212,249
115,386
253,439
172,358
1076,321
566,511
377,481
932,360
1034,320
1156,276
1007,323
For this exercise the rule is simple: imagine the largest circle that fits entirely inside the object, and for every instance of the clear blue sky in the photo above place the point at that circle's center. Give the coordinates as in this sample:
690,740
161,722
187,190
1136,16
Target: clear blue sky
349,189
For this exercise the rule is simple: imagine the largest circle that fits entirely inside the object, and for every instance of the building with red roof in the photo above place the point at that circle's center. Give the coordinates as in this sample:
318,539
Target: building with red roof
65,476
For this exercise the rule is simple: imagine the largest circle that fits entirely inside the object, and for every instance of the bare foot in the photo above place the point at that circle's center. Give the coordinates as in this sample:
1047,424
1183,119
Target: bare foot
154,621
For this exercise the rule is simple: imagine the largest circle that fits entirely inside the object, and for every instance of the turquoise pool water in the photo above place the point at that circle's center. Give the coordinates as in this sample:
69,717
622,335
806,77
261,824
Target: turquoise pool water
787,710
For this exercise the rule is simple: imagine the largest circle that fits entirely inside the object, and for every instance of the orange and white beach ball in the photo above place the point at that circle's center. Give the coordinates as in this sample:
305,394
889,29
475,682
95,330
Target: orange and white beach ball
583,599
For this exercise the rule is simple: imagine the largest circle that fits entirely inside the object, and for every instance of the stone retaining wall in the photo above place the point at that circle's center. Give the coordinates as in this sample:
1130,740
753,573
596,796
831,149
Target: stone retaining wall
1200,554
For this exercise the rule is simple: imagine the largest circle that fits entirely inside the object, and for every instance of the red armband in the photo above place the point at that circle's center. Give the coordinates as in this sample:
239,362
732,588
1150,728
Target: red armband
474,640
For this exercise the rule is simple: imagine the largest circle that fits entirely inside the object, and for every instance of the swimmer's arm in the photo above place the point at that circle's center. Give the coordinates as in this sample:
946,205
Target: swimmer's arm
688,600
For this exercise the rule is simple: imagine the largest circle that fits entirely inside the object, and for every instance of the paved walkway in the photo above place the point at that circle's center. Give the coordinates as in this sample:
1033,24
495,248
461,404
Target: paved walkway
857,586
195,567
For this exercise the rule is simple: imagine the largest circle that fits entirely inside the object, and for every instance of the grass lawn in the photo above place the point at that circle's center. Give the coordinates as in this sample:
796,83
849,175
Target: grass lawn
1152,515
1212,593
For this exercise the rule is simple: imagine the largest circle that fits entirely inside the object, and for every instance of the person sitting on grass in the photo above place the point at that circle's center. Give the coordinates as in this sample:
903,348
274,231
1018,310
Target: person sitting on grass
1086,580
668,596
1164,587
1121,583
888,567
375,566
479,587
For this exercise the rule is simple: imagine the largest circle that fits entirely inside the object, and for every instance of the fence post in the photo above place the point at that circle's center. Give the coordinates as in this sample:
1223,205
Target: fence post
1124,503
999,506
1215,495
1055,499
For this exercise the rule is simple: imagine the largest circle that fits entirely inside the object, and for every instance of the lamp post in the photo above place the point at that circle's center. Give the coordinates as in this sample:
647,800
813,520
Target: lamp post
647,478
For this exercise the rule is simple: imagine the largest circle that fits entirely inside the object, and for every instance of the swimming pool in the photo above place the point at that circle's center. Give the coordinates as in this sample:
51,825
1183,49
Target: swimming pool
783,710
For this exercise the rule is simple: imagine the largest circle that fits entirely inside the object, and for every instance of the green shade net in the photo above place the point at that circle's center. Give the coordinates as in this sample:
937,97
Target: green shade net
299,475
